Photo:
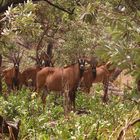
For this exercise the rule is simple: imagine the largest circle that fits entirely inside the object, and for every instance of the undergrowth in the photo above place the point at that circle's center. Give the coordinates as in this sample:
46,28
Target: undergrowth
98,121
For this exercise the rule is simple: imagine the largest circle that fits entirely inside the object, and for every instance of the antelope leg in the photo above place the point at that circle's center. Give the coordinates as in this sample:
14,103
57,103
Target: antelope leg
105,84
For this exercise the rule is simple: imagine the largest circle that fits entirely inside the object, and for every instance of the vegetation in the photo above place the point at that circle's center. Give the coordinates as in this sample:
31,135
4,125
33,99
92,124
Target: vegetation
99,120
109,30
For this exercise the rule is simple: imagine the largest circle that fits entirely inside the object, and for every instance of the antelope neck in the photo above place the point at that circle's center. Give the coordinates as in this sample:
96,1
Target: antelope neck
16,72
94,72
81,73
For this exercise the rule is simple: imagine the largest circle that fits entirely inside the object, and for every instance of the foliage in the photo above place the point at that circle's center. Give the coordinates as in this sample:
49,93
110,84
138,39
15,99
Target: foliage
106,25
119,42
26,23
20,24
110,22
102,121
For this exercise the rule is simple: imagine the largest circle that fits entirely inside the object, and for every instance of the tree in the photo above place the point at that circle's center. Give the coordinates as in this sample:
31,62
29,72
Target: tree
112,27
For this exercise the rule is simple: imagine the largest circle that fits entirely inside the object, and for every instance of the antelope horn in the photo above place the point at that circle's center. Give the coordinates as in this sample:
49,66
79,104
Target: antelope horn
108,63
46,54
21,55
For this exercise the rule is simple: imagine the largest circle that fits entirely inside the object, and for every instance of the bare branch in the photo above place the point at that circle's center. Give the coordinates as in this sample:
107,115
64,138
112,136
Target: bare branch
10,57
121,134
33,58
40,41
23,45
5,7
60,8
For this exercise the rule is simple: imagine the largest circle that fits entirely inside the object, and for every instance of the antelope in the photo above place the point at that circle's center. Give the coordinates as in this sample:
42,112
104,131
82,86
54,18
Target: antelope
31,72
61,79
97,75
12,76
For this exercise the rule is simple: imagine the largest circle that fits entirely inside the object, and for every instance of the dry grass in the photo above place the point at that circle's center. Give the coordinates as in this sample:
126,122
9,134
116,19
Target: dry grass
124,81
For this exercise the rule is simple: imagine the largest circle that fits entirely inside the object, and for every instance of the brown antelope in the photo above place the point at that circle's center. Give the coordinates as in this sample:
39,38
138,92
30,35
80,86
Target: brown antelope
12,76
31,72
97,75
58,79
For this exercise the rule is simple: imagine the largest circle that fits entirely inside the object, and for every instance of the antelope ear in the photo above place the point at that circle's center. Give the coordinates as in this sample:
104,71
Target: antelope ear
87,64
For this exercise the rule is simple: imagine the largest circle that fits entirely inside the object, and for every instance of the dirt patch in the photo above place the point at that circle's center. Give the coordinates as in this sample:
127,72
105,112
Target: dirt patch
124,81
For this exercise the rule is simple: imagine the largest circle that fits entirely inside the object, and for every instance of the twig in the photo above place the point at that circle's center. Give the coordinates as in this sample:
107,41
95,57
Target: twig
23,45
121,134
61,8
40,41
5,7
133,100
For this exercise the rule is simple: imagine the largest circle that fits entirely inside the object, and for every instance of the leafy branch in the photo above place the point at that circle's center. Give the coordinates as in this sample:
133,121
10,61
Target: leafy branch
4,7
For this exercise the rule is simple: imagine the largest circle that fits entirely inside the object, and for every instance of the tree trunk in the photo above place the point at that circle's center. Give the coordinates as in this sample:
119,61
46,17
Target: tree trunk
115,75
138,85
0,73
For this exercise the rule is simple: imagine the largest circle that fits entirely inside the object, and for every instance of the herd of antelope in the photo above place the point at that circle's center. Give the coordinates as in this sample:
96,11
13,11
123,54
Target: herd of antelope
65,80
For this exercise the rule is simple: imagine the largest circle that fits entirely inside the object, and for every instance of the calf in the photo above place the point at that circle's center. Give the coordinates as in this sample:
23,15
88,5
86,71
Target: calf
102,75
